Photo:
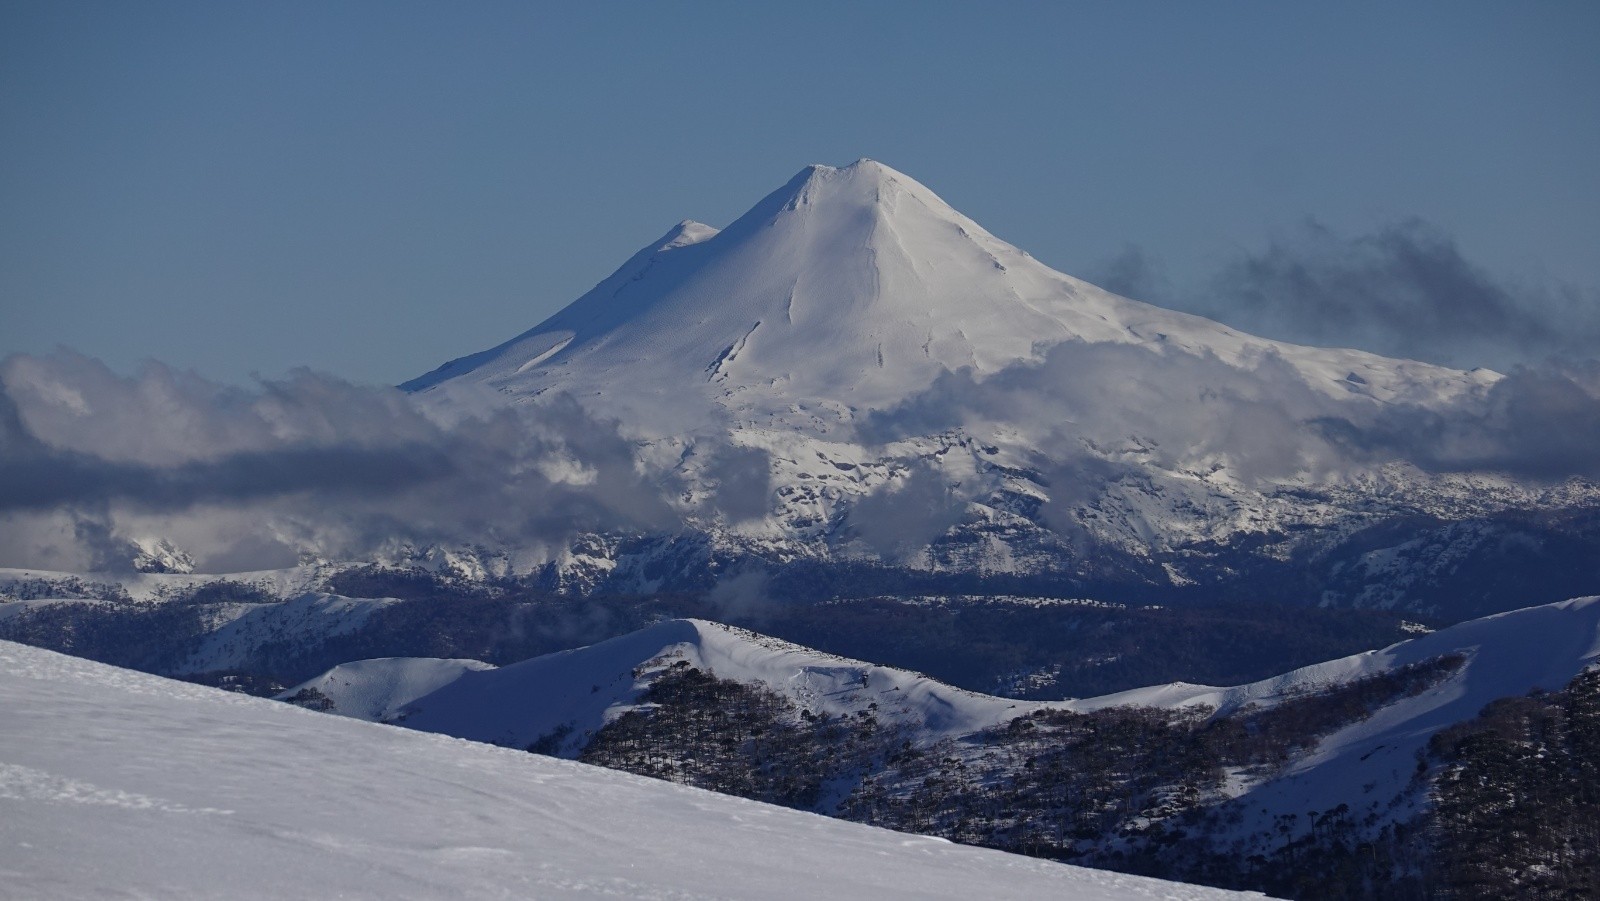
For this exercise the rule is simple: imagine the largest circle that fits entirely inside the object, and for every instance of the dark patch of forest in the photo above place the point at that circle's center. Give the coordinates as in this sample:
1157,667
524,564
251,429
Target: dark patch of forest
1516,795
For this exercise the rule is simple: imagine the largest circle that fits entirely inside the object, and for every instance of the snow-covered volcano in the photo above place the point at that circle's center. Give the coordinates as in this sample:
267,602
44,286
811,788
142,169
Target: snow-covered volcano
919,391
852,289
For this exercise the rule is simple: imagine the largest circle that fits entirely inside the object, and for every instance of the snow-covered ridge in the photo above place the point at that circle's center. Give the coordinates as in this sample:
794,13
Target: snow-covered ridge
575,693
1507,653
238,631
378,689
1370,762
117,783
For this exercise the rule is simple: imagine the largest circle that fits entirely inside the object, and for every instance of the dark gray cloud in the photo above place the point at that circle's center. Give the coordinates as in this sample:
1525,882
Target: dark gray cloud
742,595
1405,291
1132,273
1540,424
901,518
49,480
743,489
103,549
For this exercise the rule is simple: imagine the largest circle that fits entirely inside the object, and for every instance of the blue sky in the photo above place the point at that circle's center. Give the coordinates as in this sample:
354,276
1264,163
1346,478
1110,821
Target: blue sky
372,188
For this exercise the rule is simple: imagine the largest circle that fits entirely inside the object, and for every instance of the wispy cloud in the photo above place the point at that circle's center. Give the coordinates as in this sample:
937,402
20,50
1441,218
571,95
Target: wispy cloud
351,468
1405,290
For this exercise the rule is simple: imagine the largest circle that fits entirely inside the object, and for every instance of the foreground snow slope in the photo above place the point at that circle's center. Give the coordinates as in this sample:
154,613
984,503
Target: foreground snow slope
116,783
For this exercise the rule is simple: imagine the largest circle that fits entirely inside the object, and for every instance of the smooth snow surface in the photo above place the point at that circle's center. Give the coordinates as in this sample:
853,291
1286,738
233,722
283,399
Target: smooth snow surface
119,784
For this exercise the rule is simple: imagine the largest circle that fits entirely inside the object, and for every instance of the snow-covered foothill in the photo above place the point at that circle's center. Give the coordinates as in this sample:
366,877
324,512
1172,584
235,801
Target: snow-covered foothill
119,784
574,693
9,609
1371,762
1512,653
564,698
378,689
1507,654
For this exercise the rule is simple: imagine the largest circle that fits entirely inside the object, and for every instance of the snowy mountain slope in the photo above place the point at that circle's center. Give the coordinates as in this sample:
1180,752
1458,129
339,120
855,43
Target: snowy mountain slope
853,288
378,689
185,624
238,631
115,783
1508,654
855,372
23,584
573,693
1369,764
9,609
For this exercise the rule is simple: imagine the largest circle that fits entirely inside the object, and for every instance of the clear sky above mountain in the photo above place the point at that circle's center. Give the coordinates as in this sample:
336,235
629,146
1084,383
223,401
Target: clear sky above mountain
373,188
